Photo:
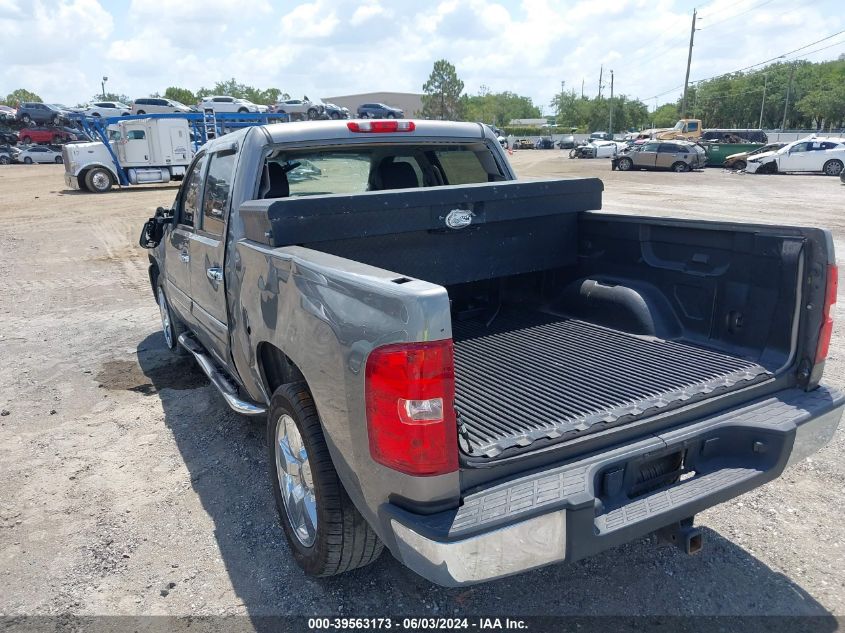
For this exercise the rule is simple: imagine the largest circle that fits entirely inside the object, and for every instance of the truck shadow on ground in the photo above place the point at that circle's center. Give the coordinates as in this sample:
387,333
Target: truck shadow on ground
125,190
226,456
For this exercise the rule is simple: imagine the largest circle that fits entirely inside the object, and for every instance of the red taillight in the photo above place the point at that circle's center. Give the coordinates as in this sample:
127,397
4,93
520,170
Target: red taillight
389,125
827,324
410,394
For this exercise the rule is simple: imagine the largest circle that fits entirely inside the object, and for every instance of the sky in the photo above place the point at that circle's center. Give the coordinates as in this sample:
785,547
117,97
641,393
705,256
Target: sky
60,49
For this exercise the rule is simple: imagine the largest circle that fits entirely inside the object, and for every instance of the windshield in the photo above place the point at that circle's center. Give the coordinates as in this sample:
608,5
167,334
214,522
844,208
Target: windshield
679,125
176,104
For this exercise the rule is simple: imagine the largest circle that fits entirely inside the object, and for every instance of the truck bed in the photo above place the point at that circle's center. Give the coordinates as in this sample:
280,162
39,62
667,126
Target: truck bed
530,375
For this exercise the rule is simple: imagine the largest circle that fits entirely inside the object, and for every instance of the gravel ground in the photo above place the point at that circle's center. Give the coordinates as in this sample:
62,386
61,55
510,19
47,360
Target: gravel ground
129,488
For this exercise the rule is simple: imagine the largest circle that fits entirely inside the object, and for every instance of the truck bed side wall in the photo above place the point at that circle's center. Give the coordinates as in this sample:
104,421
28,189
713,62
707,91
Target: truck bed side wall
326,314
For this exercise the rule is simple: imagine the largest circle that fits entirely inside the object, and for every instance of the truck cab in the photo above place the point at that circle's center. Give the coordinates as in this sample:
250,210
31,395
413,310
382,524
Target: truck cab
140,150
685,128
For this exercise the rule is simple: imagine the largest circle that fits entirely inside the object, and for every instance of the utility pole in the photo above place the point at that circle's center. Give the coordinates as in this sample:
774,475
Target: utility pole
695,103
601,70
763,104
582,87
611,104
689,63
786,105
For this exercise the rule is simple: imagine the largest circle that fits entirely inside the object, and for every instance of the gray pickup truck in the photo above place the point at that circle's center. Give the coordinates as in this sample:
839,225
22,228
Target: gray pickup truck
480,373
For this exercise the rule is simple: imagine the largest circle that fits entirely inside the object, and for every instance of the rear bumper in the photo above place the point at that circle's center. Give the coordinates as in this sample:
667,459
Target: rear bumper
576,510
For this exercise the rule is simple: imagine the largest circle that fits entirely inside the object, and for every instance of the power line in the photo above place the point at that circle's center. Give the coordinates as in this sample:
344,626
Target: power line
754,8
823,48
800,48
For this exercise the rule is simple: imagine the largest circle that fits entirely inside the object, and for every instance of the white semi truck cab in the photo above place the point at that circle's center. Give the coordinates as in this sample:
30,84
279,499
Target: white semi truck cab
144,150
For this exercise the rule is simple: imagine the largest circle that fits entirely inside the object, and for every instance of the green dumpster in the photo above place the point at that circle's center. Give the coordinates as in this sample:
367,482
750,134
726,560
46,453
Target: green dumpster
718,152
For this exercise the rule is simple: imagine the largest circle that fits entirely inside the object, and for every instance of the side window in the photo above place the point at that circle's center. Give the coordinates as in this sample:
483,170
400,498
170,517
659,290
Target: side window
135,135
801,147
692,126
650,147
191,192
668,148
461,167
218,186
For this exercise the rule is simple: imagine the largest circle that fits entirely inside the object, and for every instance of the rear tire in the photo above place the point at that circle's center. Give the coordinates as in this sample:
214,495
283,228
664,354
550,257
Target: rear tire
832,167
99,180
312,114
27,160
5,160
58,160
680,167
625,164
141,112
335,116
242,110
341,539
390,115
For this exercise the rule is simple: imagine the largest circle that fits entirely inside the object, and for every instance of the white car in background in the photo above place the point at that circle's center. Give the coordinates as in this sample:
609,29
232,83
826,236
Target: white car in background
39,154
219,104
606,149
823,155
300,107
107,109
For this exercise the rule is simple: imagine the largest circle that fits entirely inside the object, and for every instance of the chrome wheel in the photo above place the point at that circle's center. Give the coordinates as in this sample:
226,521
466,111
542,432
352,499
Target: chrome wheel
165,319
295,480
101,180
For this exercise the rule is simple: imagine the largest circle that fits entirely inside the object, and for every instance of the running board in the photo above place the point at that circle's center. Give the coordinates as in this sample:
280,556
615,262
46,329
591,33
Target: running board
219,379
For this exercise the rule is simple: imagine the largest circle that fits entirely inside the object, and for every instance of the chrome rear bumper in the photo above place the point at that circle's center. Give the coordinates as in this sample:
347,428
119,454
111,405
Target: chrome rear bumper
578,509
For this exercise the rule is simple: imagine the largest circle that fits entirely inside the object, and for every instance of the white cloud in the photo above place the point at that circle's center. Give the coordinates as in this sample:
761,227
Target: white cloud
332,47
47,44
366,12
309,21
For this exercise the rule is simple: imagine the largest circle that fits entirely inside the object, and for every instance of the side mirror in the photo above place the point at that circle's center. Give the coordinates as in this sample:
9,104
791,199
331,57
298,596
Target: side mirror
153,229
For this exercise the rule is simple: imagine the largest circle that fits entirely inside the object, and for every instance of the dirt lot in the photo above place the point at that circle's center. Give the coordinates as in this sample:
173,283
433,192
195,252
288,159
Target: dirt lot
129,488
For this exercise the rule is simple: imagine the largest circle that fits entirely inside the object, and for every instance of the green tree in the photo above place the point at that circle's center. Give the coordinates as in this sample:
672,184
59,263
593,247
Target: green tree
498,108
592,114
442,98
232,88
825,108
665,116
736,99
182,95
21,95
111,96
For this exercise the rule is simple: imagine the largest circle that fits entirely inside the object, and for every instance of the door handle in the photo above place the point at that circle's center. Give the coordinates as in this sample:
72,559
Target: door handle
185,257
215,274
